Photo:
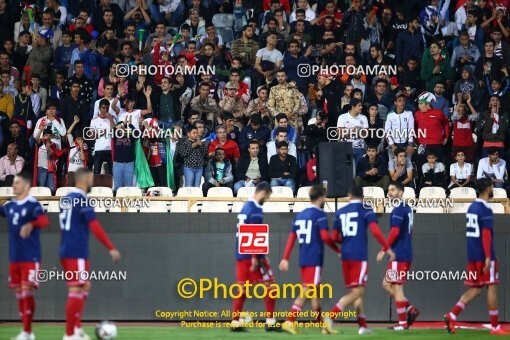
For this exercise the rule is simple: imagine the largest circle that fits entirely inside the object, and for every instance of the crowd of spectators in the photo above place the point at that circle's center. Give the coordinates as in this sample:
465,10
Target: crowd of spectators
256,117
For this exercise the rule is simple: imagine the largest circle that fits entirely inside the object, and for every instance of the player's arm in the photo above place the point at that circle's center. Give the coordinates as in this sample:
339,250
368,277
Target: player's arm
98,231
284,263
40,220
325,237
486,225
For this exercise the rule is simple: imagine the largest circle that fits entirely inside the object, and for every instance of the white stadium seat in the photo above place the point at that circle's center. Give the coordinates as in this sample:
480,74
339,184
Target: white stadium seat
40,191
101,192
276,207
6,192
299,207
303,192
53,207
63,191
499,193
215,207
459,208
182,207
464,192
432,192
429,210
155,207
129,191
237,206
281,191
189,192
220,192
164,191
497,208
373,192
246,192
409,193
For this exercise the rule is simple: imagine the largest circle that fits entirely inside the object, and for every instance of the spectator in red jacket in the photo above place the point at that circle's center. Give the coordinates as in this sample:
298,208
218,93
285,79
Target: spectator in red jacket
432,128
464,115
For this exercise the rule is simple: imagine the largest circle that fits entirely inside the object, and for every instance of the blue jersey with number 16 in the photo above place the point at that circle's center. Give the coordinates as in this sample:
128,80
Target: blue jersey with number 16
352,222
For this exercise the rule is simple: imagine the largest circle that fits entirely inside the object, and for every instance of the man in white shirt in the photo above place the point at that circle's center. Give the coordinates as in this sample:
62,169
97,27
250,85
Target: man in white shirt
492,167
460,172
101,130
350,125
399,128
461,13
309,13
129,112
108,94
281,136
52,122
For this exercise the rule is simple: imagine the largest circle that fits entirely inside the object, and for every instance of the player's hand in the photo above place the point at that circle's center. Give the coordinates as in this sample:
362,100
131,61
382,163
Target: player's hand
26,229
391,254
254,264
487,266
284,265
115,255
380,256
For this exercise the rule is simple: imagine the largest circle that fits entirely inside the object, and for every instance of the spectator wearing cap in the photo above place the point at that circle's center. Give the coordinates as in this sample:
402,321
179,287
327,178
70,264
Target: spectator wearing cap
259,106
10,165
350,124
292,59
399,127
230,147
254,131
218,172
243,91
492,167
281,136
432,126
436,68
371,170
252,167
232,103
40,57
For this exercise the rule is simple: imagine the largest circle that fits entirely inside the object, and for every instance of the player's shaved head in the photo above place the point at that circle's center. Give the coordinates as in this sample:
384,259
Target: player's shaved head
262,192
356,192
398,185
83,179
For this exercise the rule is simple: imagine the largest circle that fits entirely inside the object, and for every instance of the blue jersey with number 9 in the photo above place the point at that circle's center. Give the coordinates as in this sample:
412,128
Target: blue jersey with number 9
479,216
308,225
352,222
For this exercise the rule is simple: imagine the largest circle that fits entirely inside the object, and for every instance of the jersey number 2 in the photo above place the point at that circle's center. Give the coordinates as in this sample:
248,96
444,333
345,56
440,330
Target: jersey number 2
65,219
305,231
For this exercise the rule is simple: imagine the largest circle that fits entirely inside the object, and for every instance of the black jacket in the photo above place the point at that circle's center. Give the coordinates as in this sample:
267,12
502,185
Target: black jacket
277,167
244,162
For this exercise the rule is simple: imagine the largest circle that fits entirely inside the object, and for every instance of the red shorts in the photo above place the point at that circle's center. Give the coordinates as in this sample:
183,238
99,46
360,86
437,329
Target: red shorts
23,273
76,271
263,274
396,272
311,275
355,273
476,276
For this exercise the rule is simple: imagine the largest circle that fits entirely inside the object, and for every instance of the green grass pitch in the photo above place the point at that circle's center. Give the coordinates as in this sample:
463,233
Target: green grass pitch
55,332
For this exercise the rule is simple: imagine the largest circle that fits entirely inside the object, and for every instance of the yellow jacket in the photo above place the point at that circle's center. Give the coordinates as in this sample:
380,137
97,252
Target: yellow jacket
7,104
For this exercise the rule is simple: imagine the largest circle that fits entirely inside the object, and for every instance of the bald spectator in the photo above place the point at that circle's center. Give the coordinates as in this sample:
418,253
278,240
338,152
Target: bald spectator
10,165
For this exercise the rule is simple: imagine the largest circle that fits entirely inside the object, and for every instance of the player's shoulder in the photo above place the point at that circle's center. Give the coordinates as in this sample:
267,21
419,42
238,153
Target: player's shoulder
313,212
251,205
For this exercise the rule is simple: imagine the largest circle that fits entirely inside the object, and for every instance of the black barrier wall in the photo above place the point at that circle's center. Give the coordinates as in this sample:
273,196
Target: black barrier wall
161,249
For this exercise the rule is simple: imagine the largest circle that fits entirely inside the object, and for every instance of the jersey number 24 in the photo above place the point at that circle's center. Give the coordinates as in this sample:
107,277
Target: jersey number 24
65,219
